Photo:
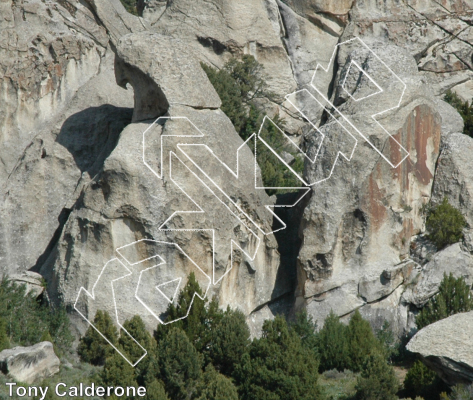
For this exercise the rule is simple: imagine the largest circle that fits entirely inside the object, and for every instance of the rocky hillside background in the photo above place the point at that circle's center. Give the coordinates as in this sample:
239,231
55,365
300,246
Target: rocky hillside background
82,80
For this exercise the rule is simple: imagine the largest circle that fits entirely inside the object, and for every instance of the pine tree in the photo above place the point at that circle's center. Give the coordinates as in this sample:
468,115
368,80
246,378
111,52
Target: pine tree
155,391
228,340
333,344
216,386
377,380
4,340
420,381
361,341
179,365
454,296
93,348
118,372
278,366
194,325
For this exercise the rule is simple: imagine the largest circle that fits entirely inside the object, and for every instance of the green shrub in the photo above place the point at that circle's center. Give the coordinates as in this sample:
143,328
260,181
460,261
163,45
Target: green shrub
93,348
454,296
26,318
461,392
216,386
445,224
422,381
333,345
278,366
377,380
238,84
4,341
389,344
464,108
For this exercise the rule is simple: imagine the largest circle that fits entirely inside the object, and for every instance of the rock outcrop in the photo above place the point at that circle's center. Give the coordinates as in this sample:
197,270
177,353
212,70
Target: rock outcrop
445,346
84,79
31,280
454,179
30,364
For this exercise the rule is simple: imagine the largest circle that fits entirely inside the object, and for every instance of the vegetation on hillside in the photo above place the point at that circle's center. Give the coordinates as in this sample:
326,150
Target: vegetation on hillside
465,109
444,224
238,84
25,320
210,354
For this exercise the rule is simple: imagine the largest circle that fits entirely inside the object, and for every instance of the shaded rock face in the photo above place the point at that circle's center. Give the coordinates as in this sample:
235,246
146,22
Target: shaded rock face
30,364
445,346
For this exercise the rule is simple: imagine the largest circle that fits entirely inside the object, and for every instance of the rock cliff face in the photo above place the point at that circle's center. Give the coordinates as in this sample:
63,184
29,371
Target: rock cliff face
82,80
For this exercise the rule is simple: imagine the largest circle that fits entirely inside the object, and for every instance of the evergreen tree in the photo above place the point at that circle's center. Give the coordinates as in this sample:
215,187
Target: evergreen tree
377,380
333,344
361,341
238,84
421,381
278,366
445,224
4,340
179,365
118,372
454,296
228,340
194,325
306,328
155,391
93,348
137,329
216,386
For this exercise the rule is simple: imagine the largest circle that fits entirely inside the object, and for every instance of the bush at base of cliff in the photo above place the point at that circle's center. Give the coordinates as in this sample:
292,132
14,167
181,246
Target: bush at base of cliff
421,381
454,296
377,380
445,224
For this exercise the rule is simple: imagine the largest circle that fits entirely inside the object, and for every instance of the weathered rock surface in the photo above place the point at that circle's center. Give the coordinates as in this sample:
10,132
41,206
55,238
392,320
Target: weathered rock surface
126,202
438,35
30,364
454,180
445,346
359,222
452,260
32,281
74,188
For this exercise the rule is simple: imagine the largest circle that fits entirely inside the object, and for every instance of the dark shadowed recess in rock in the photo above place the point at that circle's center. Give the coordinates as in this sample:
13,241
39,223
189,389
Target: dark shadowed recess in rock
289,243
92,134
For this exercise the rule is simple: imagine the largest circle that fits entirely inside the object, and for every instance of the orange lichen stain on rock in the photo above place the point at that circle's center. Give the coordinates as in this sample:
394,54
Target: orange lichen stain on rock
375,197
421,128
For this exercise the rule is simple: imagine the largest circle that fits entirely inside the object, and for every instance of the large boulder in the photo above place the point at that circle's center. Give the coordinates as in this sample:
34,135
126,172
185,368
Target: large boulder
452,260
32,281
445,346
137,191
30,364
359,222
